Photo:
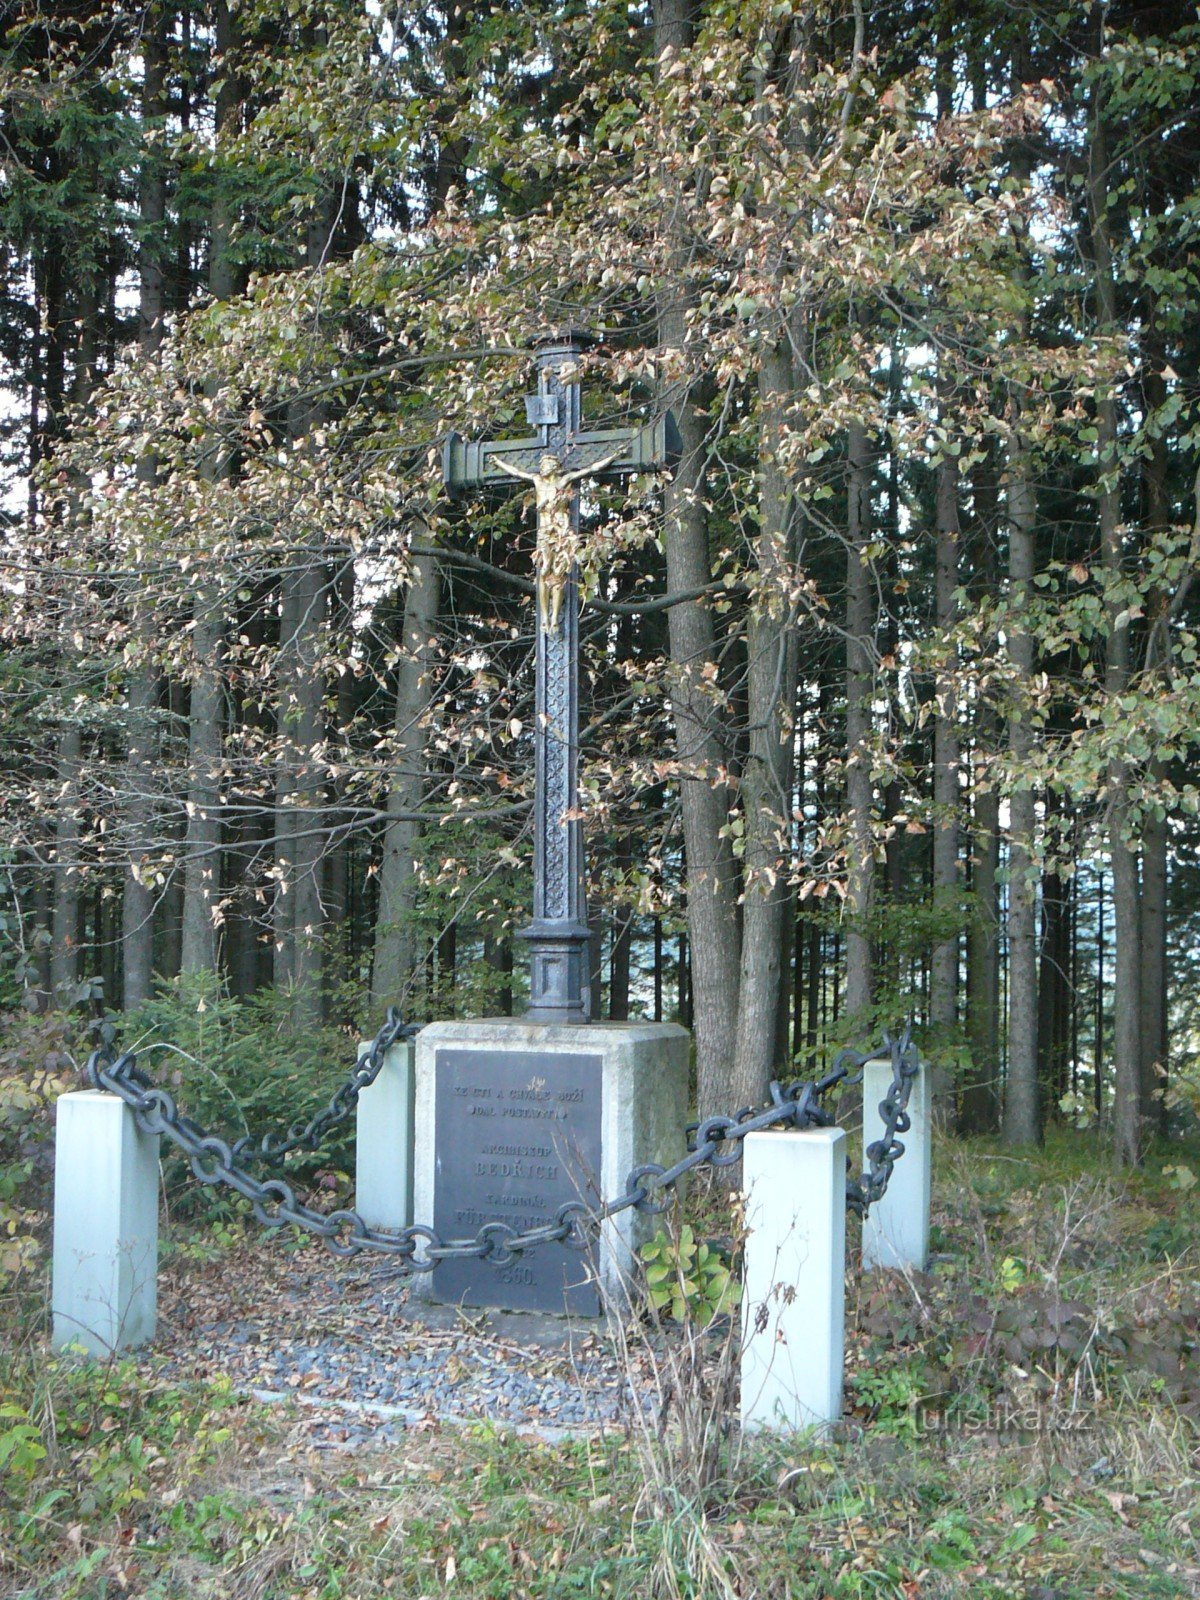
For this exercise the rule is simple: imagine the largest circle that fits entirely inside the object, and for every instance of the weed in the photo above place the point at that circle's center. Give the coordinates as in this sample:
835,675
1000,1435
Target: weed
686,1278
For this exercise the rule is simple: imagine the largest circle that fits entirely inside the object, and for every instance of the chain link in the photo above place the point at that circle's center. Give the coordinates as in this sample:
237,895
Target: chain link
714,1142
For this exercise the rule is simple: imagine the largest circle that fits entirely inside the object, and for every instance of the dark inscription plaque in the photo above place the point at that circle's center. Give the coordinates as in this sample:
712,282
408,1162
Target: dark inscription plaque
518,1135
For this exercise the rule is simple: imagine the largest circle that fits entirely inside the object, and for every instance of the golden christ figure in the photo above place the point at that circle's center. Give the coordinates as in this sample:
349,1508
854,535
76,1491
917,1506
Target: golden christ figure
557,538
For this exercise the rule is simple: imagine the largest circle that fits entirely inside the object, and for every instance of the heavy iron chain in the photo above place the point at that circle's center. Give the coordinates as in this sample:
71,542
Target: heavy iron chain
881,1154
716,1142
308,1135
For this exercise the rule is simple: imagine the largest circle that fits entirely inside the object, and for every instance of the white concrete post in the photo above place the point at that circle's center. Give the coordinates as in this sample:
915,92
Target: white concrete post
383,1152
794,1272
896,1229
105,1288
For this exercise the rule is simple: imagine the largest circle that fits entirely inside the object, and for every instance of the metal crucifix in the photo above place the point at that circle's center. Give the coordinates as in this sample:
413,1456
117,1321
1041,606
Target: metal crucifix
553,463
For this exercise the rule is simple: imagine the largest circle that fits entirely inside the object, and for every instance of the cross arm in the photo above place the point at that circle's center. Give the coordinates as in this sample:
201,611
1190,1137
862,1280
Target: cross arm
469,464
618,450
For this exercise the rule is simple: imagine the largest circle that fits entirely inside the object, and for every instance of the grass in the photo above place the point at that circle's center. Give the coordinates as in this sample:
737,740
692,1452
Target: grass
1022,1422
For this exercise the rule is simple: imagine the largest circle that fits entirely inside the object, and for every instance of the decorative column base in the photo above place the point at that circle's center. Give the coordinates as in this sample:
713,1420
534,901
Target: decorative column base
558,971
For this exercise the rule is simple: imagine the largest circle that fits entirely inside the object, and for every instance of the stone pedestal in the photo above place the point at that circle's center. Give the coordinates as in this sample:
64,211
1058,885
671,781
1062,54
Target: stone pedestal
515,1118
105,1290
383,1150
794,1279
896,1229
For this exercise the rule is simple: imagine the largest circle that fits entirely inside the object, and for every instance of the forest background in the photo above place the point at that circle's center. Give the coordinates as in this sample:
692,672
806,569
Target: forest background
892,691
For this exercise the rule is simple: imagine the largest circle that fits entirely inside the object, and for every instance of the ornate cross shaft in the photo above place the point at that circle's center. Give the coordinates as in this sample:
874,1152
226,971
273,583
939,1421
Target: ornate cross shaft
553,462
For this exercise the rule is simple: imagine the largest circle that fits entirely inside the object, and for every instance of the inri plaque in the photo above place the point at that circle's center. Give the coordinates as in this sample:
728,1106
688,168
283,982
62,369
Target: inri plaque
518,1135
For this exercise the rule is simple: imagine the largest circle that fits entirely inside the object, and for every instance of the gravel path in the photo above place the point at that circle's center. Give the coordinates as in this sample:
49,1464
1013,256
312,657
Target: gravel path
364,1361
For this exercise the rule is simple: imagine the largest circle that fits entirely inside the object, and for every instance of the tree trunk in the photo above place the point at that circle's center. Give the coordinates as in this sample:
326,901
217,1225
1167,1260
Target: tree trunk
943,981
498,953
249,827
302,705
622,937
1155,837
799,923
767,780
64,924
283,919
337,858
1098,1023
202,841
202,844
447,967
1022,1111
301,730
137,904
392,968
43,933
860,679
979,1103
67,918
700,748
1154,970
138,897
890,882
1052,986
1128,1129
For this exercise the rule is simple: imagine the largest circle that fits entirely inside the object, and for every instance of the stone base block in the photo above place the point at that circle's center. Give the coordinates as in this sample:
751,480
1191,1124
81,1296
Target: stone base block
383,1151
794,1272
105,1290
896,1229
514,1119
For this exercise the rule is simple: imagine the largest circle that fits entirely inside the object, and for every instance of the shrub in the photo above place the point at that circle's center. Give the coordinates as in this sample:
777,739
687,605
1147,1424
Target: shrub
38,1062
238,1068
